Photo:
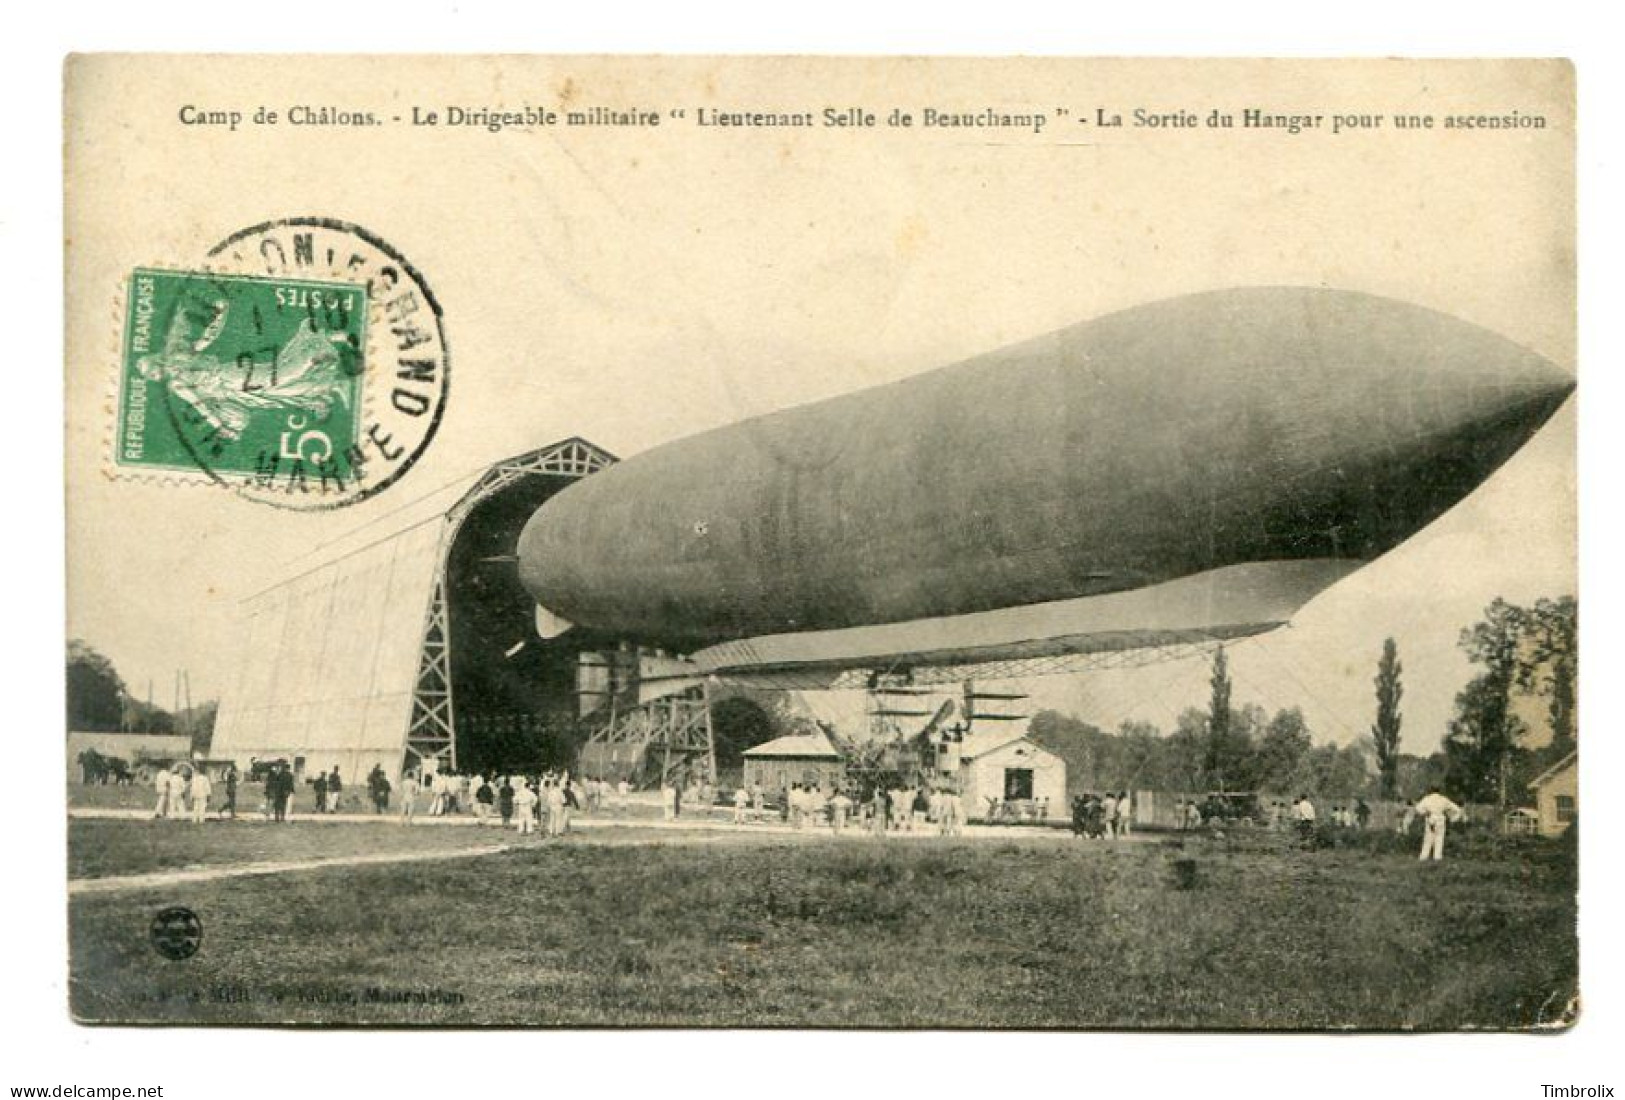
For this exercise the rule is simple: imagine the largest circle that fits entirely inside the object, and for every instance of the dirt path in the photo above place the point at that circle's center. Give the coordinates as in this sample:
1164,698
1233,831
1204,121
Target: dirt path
588,829
117,883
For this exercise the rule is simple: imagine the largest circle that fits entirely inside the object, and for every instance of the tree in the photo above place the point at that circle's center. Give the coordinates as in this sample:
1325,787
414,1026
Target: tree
1330,771
1479,746
1141,757
1081,745
95,690
1385,732
1419,774
1549,661
198,724
1219,756
1485,730
1228,762
1187,751
1281,750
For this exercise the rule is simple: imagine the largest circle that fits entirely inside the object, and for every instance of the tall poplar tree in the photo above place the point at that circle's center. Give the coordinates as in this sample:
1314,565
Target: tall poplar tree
1218,756
1385,732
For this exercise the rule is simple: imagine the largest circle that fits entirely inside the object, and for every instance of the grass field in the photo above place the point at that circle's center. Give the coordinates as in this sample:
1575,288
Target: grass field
765,931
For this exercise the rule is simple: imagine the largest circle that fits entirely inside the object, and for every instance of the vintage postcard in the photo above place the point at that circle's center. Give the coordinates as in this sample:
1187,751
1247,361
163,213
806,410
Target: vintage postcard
821,542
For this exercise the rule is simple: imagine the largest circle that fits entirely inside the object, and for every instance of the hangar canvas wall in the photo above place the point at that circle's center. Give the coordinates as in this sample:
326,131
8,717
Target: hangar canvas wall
347,660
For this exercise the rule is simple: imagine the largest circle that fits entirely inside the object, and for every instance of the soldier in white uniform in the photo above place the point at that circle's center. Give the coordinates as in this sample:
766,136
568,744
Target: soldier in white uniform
839,806
178,782
160,783
1436,812
201,789
558,821
524,808
953,812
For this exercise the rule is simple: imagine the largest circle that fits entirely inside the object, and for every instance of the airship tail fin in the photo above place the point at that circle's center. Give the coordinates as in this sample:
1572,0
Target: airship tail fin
549,625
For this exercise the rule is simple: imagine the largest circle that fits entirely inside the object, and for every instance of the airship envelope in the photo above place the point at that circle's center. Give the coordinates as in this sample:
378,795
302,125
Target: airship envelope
1195,467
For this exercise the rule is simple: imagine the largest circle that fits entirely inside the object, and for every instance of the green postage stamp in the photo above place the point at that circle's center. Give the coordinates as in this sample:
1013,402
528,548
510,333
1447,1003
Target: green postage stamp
241,376
302,364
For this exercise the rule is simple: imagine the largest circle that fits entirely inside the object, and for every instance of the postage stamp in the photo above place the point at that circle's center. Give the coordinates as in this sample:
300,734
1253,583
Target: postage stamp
302,364
251,372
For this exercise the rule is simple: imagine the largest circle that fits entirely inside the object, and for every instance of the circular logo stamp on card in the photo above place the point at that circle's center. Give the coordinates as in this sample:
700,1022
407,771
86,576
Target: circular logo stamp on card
176,932
303,362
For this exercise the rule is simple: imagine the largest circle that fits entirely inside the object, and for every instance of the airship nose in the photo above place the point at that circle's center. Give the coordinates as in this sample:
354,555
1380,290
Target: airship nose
1494,414
1412,411
1479,393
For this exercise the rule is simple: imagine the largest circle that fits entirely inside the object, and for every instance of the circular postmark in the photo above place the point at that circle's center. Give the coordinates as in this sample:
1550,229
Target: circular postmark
305,364
176,932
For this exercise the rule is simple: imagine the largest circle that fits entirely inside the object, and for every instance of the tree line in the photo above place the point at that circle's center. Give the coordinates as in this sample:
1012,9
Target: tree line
1528,656
1525,659
99,702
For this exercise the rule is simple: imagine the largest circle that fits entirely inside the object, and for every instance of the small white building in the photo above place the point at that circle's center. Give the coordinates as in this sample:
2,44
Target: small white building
1557,795
1007,774
808,759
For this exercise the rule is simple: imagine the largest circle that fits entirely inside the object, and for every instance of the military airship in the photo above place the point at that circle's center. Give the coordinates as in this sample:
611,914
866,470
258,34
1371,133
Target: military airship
1198,467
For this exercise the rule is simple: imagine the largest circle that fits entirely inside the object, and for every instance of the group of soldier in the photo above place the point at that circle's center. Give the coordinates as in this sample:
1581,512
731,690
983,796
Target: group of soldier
184,791
530,804
1104,816
884,810
1434,810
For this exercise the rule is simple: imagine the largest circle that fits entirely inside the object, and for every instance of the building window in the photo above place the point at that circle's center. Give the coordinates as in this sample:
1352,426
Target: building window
1565,808
1018,784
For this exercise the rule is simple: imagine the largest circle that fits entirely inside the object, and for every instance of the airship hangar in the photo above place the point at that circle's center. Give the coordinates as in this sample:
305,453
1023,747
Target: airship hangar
408,643
1170,476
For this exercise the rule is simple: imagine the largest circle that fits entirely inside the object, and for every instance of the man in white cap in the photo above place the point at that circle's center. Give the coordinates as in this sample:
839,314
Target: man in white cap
1436,812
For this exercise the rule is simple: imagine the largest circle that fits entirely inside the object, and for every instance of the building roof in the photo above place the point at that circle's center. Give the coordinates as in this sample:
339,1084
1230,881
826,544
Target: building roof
130,739
1552,771
977,746
803,746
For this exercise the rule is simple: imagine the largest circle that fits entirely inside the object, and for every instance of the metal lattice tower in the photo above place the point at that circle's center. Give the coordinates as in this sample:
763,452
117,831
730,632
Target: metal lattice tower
431,731
662,739
429,734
